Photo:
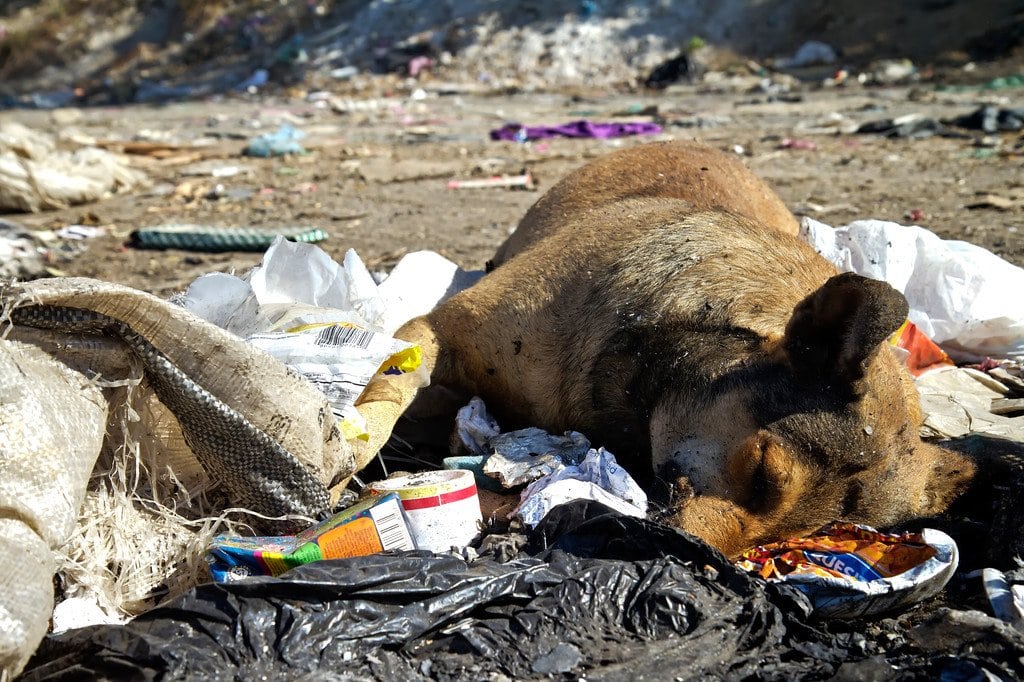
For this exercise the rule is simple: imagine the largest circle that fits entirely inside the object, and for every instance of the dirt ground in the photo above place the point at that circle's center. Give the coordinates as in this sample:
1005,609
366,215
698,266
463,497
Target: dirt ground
376,180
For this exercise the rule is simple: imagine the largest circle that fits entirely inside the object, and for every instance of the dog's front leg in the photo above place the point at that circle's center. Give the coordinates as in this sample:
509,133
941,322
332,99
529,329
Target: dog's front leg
387,397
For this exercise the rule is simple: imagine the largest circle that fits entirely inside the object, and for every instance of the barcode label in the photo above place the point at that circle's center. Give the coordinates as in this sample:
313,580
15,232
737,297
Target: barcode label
344,336
391,528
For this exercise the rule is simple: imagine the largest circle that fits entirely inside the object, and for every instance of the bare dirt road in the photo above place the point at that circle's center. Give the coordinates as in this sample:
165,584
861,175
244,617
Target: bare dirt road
375,177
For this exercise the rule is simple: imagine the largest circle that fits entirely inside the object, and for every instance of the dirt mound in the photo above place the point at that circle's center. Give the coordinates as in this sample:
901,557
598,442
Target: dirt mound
215,46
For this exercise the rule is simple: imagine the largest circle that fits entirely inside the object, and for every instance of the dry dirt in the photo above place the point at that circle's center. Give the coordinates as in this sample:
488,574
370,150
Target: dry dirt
376,181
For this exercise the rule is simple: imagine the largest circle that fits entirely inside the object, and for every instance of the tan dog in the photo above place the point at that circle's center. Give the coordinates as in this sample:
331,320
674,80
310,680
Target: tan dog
658,301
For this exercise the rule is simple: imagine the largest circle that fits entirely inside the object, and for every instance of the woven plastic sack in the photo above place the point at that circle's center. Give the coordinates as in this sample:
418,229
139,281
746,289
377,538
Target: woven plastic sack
263,435
52,421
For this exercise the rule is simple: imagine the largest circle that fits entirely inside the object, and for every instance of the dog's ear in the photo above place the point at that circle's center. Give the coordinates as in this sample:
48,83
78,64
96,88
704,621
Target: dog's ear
836,331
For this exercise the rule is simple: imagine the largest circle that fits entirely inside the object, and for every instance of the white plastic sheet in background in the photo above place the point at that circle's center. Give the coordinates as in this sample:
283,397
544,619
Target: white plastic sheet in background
966,299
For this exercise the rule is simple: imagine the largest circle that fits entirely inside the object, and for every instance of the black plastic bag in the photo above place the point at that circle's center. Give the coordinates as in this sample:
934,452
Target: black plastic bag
590,592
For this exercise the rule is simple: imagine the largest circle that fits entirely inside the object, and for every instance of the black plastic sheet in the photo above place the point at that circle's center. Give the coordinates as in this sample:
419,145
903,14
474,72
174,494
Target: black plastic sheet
590,593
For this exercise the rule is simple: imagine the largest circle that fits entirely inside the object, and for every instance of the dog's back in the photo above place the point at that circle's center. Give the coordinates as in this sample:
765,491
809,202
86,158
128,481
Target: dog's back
695,173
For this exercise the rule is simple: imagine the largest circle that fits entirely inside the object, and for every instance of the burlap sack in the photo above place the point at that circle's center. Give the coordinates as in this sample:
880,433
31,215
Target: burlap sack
263,435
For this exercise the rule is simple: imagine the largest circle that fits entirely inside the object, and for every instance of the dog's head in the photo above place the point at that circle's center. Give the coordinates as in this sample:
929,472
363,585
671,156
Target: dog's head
821,425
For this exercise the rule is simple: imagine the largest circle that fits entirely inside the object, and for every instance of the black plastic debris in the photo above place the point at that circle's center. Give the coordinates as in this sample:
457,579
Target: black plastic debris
682,67
608,595
991,119
988,119
589,593
907,127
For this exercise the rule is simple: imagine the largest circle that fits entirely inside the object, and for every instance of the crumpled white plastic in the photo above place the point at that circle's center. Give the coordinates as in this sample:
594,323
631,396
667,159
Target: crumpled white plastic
965,298
330,322
598,477
476,427
293,272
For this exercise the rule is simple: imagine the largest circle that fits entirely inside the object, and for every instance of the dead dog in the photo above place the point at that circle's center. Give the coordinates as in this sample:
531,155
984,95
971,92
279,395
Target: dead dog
659,301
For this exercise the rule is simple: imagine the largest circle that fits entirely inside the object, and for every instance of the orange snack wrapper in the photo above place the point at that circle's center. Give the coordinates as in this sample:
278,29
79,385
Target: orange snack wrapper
839,550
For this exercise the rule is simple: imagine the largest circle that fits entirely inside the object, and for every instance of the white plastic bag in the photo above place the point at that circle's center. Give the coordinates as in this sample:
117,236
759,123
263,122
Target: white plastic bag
966,299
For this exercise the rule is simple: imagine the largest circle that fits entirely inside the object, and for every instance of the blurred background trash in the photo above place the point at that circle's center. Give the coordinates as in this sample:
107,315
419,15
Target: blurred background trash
221,238
285,140
36,175
811,53
519,133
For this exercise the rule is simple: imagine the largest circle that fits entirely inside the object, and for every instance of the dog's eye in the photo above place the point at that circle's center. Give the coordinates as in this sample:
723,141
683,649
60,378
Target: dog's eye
760,486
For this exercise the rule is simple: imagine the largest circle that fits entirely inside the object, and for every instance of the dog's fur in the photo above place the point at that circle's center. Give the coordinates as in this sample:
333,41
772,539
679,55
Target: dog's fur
658,301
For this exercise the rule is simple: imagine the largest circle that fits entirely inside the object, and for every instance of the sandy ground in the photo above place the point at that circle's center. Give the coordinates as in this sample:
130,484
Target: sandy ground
377,180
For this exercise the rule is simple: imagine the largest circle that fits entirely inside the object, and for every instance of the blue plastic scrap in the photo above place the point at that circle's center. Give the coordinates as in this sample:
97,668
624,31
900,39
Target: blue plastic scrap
284,141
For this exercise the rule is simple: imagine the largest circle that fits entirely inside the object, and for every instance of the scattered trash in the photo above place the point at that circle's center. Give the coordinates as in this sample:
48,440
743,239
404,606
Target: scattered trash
811,53
344,72
257,80
332,349
852,571
52,426
80,612
216,238
36,176
988,119
524,181
888,72
959,401
1007,600
219,418
682,67
996,201
374,525
956,290
518,133
21,255
148,92
992,119
475,427
215,169
280,143
52,100
795,143
922,354
911,126
1005,82
833,124
319,318
418,65
617,596
442,507
699,121
597,477
79,232
519,457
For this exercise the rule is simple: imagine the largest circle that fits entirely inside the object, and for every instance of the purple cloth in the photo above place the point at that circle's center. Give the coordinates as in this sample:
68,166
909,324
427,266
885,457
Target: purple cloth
515,132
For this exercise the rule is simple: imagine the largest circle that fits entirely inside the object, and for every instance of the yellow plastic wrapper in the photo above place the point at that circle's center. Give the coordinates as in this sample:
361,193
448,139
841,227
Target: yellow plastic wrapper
840,550
848,570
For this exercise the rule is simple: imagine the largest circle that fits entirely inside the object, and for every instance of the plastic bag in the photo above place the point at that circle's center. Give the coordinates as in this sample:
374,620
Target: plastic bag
597,593
961,296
